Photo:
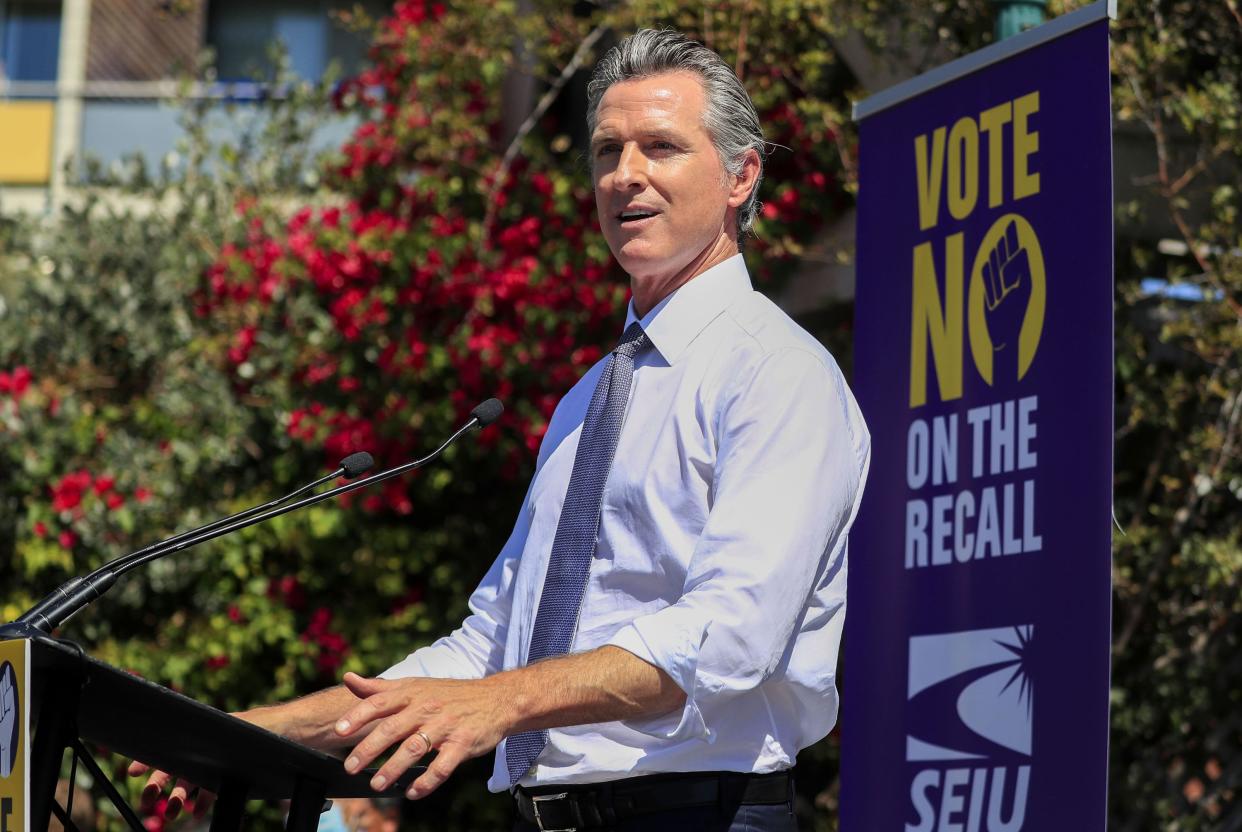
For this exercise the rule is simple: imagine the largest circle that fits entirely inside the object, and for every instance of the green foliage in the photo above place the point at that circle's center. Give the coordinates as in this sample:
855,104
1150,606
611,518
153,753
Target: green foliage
1177,696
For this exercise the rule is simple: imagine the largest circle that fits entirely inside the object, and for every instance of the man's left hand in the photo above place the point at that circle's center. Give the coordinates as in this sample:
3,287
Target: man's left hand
462,719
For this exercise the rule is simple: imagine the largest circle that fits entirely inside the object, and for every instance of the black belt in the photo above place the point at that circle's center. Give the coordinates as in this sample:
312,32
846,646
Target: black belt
594,805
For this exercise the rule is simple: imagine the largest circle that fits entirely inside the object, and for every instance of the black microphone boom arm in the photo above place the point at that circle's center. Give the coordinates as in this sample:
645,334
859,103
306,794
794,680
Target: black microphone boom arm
72,596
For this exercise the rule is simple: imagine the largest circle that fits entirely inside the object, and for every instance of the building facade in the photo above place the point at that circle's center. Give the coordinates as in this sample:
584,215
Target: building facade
97,78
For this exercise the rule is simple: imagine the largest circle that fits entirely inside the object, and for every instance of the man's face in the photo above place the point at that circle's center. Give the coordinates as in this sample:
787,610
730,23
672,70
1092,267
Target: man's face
660,188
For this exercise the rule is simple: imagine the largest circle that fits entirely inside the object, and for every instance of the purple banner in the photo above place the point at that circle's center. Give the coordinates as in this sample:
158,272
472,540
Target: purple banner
977,649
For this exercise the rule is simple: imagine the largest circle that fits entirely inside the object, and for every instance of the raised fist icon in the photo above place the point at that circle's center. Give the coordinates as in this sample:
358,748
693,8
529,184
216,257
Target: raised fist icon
1006,289
1007,286
8,720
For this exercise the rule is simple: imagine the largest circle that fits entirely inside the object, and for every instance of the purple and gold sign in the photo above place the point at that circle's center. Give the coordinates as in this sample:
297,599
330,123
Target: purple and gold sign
977,647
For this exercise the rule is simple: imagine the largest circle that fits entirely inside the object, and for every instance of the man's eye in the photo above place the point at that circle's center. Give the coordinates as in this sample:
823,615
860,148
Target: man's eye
663,146
605,149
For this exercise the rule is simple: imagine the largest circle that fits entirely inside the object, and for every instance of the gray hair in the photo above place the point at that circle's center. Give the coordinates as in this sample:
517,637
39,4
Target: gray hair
729,116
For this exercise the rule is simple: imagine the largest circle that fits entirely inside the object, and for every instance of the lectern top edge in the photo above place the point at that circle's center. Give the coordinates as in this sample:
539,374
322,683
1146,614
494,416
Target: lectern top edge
142,720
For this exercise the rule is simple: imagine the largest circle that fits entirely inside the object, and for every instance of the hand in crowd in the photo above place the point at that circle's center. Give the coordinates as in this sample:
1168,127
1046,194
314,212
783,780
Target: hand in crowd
158,781
177,798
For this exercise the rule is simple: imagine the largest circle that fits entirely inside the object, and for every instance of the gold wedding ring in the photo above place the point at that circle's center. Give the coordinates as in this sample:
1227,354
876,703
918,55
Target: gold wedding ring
426,739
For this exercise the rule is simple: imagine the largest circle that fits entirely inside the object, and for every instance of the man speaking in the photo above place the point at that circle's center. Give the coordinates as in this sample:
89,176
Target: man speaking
658,638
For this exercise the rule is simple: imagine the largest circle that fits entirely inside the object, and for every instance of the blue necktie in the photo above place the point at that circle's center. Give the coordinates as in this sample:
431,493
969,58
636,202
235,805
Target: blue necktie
574,544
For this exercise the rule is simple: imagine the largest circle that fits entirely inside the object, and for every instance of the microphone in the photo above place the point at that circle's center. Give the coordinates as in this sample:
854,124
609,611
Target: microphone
487,412
68,600
355,465
350,467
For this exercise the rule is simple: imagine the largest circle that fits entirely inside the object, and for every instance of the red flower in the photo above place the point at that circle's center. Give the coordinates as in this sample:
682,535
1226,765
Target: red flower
397,497
289,590
541,183
217,662
68,539
19,382
67,493
141,494
103,484
40,529
114,501
413,595
243,342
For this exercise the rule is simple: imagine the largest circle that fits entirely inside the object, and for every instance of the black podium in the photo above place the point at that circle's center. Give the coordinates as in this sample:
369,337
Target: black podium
76,698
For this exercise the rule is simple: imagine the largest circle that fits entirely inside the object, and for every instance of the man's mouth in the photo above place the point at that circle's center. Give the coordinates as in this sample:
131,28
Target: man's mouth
634,216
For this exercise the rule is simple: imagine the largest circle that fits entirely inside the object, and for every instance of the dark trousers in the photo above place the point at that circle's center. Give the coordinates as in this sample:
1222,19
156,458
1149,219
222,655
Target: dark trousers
773,817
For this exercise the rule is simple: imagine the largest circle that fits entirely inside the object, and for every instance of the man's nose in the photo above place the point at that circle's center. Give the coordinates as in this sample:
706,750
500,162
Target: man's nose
631,168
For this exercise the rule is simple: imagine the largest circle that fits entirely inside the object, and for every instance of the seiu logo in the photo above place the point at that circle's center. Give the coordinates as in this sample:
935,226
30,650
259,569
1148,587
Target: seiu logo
970,714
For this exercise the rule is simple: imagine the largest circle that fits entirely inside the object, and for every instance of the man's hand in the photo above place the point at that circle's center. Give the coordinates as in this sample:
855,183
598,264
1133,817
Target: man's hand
462,719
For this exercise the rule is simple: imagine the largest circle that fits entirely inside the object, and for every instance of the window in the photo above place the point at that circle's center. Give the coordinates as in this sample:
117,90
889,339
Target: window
241,30
29,39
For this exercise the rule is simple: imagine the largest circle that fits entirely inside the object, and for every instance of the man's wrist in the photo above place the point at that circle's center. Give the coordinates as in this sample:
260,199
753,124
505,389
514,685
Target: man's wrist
516,705
309,721
268,718
602,685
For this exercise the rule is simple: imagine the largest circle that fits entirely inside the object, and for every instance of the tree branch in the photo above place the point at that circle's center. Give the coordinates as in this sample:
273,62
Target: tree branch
511,152
740,66
1233,9
1169,189
1174,188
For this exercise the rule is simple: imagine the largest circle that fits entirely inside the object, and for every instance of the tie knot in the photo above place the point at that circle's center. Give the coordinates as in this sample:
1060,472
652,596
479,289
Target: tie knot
632,341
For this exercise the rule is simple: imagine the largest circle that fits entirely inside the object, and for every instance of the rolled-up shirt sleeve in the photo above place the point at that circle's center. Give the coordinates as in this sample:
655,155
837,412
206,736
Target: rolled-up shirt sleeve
476,648
791,461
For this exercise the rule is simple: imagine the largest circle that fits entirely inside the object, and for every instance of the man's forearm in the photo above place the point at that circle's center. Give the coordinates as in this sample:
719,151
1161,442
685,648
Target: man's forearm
598,686
308,720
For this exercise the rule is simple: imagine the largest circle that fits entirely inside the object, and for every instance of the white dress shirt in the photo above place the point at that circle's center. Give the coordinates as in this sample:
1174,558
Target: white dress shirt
721,554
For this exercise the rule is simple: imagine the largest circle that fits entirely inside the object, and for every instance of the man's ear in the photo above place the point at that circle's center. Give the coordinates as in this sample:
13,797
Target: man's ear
746,181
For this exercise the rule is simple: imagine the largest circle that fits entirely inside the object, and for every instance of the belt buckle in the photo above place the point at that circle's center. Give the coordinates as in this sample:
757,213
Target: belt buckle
536,799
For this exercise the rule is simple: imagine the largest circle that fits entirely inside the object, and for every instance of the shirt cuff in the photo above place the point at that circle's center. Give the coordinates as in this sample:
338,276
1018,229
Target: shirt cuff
436,661
675,650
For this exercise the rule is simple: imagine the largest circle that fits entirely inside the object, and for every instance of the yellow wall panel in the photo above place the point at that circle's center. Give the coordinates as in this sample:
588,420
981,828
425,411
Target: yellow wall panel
26,142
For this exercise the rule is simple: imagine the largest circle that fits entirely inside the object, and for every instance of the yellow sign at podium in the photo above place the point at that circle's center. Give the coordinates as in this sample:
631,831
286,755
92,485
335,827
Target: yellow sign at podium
14,735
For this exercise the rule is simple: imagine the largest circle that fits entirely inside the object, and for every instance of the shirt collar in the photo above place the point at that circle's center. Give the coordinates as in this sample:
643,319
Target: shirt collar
678,319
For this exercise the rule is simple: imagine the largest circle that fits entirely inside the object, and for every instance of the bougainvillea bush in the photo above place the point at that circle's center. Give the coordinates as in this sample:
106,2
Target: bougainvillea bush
187,341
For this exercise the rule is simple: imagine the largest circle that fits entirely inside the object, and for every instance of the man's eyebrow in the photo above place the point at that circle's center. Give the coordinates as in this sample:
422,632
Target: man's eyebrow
655,133
665,134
